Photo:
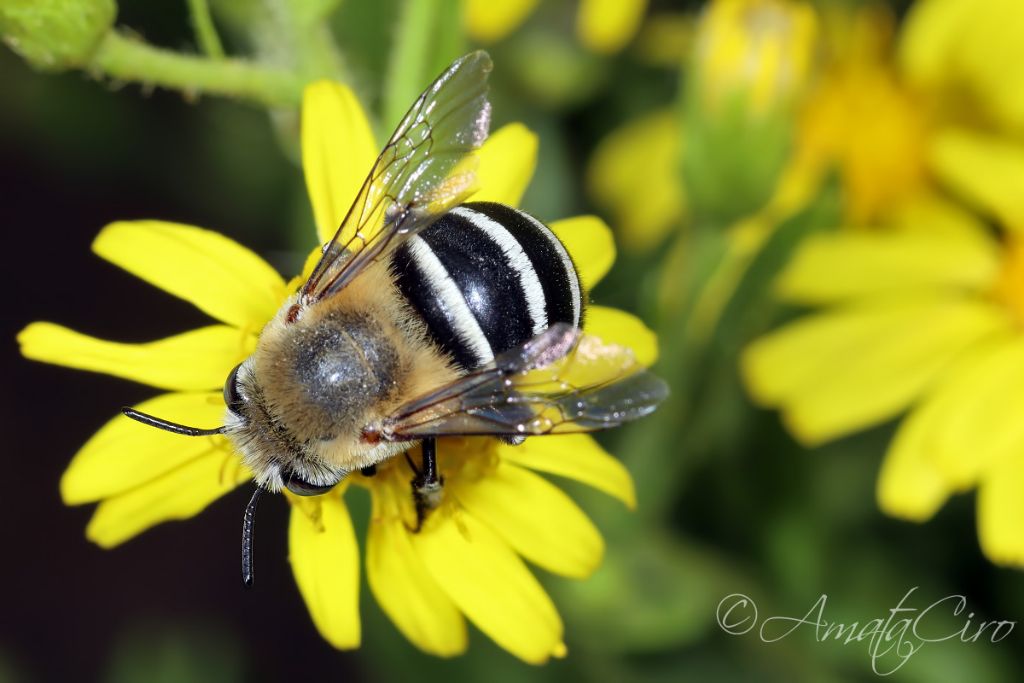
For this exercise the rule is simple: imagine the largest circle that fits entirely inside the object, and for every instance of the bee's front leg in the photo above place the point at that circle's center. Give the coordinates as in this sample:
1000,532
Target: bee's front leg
427,485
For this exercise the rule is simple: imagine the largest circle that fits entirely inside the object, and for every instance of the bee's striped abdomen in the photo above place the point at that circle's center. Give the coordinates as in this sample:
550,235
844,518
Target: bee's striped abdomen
487,278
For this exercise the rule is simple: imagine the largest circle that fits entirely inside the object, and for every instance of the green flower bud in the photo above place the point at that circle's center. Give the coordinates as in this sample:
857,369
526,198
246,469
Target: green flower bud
54,35
750,64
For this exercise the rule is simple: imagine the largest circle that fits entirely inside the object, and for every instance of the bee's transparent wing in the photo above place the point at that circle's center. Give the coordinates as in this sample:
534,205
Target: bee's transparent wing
559,382
424,169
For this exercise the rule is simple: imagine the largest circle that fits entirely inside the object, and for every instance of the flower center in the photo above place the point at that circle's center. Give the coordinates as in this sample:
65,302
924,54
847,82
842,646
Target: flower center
458,458
873,130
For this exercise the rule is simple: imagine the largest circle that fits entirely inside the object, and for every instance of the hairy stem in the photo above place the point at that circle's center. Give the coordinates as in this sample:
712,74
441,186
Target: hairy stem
128,59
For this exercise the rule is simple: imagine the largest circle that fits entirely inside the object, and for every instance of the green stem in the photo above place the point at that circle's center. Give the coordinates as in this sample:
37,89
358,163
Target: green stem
660,446
128,59
412,40
426,39
206,32
319,56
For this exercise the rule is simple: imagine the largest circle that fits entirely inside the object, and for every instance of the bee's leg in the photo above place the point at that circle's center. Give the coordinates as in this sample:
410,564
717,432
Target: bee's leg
412,465
427,484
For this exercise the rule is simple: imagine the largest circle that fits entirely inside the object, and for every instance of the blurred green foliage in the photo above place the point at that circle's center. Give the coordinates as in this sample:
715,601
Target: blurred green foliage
165,651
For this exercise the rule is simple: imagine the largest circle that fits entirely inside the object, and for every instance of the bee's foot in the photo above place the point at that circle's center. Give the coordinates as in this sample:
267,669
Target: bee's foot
426,495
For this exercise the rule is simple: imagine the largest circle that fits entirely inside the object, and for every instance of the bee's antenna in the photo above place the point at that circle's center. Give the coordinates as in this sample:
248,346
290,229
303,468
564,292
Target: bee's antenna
168,425
248,526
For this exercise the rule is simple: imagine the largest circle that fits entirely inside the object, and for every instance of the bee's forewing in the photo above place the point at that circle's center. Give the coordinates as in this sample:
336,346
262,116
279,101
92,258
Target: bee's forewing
561,381
424,169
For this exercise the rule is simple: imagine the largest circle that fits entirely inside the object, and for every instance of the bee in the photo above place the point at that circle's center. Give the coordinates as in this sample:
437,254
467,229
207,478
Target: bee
425,317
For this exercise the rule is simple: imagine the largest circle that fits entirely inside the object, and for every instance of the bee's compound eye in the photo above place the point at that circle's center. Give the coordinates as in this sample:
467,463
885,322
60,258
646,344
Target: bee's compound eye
301,487
232,397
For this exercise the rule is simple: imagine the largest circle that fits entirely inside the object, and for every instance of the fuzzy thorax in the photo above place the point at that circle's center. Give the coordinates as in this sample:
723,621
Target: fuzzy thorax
317,379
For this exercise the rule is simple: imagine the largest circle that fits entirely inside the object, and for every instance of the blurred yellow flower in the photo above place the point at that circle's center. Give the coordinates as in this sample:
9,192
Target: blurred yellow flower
865,120
467,561
607,26
924,316
757,51
603,26
721,153
488,22
634,173
939,110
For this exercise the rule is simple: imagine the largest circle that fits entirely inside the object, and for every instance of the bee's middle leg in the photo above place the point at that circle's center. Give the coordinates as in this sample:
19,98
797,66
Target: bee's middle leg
427,485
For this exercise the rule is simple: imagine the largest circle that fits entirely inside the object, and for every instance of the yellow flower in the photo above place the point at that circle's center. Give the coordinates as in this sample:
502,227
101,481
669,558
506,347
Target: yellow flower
635,174
603,26
924,316
468,559
941,109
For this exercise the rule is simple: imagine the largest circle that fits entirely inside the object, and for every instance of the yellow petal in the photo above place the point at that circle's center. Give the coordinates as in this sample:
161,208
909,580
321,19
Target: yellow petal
780,365
969,48
195,360
177,494
124,454
929,32
487,21
506,164
838,372
853,264
980,403
933,214
991,60
614,326
576,456
521,506
338,151
635,174
910,485
1001,513
217,275
490,584
325,560
401,584
986,169
591,245
606,26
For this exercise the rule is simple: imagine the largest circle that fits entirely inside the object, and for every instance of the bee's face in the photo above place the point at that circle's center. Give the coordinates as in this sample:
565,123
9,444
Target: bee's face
297,406
276,459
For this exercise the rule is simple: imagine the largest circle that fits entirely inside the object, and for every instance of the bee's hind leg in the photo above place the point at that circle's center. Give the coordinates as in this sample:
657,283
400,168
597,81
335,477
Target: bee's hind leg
427,484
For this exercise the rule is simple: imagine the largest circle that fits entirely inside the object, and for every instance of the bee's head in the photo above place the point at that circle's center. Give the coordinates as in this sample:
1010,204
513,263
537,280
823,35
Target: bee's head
267,446
252,431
